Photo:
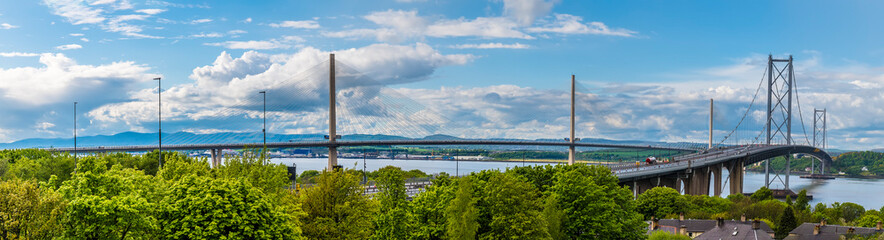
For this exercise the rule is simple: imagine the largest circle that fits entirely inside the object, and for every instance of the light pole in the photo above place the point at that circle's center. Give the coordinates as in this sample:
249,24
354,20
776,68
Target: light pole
75,132
264,130
160,96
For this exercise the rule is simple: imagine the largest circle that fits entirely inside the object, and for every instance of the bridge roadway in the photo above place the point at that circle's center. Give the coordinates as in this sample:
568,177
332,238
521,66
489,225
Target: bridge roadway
362,143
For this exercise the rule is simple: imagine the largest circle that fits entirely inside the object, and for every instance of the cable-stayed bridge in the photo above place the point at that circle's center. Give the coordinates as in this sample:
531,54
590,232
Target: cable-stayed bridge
359,104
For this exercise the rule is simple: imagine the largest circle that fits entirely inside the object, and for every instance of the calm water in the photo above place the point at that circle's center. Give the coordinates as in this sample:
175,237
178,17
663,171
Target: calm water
866,192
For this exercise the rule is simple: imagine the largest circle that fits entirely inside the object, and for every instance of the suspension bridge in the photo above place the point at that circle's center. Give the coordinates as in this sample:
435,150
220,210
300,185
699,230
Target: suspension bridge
370,107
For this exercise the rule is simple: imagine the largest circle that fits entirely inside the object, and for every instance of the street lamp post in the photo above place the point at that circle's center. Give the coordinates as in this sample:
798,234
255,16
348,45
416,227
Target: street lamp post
160,96
264,130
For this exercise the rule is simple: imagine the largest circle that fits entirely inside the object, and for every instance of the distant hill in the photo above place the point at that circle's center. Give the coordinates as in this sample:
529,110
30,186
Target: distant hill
135,138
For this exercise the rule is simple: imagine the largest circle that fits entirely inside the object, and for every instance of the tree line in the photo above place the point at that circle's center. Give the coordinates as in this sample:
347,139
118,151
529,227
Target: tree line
50,195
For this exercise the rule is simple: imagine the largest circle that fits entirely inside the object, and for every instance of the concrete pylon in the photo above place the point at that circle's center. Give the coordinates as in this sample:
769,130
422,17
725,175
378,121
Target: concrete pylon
716,185
332,120
571,151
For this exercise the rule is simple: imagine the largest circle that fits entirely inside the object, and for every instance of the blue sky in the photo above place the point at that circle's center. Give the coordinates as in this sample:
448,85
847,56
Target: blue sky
497,68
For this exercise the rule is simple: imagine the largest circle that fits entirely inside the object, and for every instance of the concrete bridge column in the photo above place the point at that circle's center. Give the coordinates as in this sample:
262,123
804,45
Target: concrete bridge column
640,186
698,182
716,186
216,157
735,175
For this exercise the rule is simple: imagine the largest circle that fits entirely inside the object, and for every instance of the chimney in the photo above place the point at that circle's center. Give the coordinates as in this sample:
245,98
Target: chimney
743,217
681,216
719,222
823,222
655,223
816,229
878,227
756,224
683,230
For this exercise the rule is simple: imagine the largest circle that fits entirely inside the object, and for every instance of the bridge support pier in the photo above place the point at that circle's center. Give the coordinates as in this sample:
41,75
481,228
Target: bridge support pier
716,186
735,175
640,186
698,182
216,157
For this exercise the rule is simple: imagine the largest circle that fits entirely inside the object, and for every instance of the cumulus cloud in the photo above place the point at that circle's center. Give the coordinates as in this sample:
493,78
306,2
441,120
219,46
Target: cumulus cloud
69,47
7,26
308,24
229,87
491,46
570,24
33,95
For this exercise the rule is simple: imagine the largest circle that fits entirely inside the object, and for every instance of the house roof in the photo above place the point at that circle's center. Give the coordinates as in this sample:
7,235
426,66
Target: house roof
805,231
734,230
703,225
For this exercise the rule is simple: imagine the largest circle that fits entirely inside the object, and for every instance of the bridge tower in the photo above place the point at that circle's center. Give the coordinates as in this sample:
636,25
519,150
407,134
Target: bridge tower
572,154
332,120
780,83
819,138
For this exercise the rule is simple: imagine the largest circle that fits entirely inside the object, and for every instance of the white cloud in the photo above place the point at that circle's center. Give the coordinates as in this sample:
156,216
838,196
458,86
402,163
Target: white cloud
69,47
62,78
308,24
247,20
84,39
225,90
7,26
76,34
75,12
202,20
570,24
236,32
151,11
282,43
207,35
399,25
257,45
101,13
491,45
18,54
526,11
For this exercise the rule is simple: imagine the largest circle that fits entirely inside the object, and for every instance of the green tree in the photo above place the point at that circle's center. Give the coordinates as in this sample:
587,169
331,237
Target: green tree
205,208
869,219
113,203
394,219
801,203
553,215
428,209
515,209
177,168
336,208
307,176
595,206
265,176
462,213
29,212
661,201
662,235
762,194
786,223
850,211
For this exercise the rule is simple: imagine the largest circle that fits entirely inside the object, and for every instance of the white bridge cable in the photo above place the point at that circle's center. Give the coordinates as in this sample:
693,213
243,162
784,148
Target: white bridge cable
800,115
